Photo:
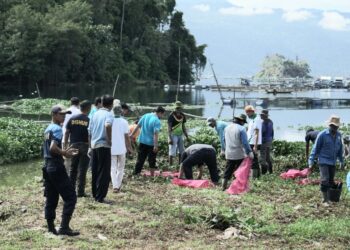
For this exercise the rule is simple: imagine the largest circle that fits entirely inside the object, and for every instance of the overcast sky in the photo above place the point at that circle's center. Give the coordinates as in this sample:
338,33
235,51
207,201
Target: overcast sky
240,33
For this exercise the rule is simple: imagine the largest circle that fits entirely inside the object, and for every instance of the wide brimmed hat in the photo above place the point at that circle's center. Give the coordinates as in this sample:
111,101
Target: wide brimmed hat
241,117
249,108
178,105
60,109
334,120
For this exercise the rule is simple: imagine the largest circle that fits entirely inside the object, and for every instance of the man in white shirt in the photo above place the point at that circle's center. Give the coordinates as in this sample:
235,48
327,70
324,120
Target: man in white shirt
254,136
120,145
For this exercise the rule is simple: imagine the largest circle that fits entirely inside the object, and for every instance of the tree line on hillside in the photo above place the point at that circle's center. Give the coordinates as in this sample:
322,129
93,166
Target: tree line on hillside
278,66
53,41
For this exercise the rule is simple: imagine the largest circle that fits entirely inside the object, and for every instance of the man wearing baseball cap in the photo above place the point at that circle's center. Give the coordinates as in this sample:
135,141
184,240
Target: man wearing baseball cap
56,180
220,129
328,147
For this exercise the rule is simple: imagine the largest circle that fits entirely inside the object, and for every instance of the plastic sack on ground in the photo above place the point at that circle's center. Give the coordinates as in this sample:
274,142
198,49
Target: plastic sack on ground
192,183
241,183
348,181
295,173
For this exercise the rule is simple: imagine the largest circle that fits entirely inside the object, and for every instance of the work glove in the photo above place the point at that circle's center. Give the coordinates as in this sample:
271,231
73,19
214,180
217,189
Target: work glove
89,153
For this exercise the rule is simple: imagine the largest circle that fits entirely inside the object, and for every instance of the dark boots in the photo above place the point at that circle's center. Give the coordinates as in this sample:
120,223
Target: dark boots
325,197
65,229
224,184
51,226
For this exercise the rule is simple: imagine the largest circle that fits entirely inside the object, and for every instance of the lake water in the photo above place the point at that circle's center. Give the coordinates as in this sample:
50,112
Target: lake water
288,111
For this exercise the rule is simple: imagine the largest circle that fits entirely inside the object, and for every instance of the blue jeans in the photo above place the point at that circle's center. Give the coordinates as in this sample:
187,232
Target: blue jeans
178,144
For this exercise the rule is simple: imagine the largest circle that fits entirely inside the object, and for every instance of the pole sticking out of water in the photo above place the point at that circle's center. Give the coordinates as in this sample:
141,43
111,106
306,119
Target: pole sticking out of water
216,80
178,75
115,85
37,89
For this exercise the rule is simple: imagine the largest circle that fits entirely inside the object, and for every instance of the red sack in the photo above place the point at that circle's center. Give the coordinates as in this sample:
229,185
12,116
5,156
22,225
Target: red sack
241,183
295,173
192,183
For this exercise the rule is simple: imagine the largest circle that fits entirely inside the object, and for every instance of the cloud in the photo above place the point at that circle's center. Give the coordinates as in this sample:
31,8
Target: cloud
288,5
334,21
296,15
202,7
245,11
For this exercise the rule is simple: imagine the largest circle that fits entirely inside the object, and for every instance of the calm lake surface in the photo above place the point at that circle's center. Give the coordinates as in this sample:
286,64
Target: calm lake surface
289,112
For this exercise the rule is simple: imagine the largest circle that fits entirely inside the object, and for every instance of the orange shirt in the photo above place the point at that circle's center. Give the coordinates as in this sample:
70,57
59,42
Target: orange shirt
131,129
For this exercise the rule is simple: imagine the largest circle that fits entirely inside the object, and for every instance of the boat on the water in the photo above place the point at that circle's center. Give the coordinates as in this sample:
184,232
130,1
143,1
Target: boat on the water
278,91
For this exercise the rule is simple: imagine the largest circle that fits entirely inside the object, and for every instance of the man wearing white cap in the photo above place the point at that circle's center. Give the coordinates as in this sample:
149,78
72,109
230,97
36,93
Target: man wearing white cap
328,148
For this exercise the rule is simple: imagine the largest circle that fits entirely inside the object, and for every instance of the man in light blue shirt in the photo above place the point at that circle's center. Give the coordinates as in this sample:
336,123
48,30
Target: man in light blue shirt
100,137
328,148
220,129
148,139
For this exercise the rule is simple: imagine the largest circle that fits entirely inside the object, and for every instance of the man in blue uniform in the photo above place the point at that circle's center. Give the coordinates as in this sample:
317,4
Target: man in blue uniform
56,180
220,129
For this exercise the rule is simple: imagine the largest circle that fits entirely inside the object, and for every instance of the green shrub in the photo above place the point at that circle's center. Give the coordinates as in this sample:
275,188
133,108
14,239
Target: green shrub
20,140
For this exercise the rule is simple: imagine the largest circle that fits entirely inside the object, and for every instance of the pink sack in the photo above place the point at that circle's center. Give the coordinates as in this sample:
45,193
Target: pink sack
295,173
241,183
192,183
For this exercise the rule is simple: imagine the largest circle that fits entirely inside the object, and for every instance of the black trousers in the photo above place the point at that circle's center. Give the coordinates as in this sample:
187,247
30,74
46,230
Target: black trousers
57,183
145,151
231,167
206,156
255,164
79,167
327,173
101,172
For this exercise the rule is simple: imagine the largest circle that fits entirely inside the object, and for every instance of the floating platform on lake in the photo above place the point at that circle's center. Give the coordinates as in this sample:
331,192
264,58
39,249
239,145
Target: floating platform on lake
278,91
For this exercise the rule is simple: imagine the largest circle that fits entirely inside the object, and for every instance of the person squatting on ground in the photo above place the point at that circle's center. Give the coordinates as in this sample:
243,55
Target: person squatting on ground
254,137
220,130
237,147
56,180
328,147
176,131
198,155
100,134
310,135
267,134
148,139
120,146
77,134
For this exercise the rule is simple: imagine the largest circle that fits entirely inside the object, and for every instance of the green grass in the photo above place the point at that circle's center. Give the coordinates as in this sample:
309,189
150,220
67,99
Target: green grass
154,214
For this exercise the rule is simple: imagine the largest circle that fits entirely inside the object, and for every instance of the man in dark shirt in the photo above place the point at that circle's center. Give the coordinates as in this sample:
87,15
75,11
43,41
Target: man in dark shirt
56,180
311,135
198,155
77,134
267,134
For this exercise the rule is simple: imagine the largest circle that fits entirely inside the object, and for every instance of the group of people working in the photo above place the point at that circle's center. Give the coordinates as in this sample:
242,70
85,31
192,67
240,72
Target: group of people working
99,136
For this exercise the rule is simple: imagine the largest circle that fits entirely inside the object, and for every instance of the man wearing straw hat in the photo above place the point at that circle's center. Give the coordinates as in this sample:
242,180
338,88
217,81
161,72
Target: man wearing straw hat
328,147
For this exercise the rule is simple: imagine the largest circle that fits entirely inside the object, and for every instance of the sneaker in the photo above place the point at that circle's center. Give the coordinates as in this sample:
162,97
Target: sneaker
116,190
